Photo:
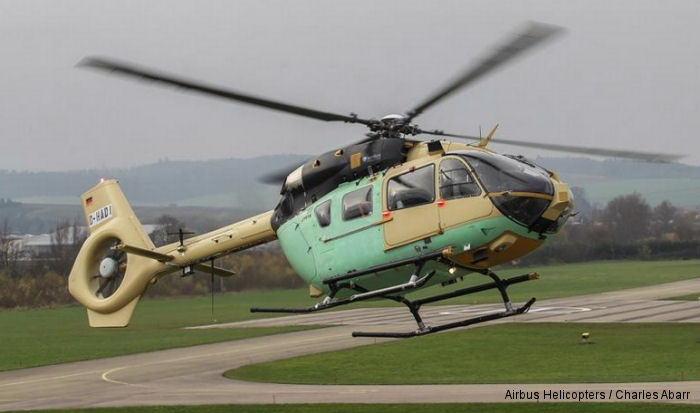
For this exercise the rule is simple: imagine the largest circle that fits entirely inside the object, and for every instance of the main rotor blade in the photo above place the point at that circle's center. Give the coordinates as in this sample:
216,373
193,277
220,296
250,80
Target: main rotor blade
277,177
533,35
612,153
131,70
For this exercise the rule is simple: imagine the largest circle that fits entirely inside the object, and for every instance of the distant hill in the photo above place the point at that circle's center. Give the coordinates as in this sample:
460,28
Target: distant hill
218,183
232,183
25,218
618,168
606,179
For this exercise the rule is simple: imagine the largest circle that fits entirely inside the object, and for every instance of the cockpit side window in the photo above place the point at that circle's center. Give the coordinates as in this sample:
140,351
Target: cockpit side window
456,181
413,188
357,203
499,173
323,213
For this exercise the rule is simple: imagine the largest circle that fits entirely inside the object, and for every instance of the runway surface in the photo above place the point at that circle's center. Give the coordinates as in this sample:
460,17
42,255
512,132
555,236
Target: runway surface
193,375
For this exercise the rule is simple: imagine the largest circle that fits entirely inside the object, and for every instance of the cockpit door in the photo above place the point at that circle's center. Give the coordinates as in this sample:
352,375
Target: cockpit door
409,198
460,197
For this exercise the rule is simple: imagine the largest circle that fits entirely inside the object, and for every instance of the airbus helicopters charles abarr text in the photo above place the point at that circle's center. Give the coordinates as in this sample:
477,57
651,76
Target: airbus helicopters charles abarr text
379,218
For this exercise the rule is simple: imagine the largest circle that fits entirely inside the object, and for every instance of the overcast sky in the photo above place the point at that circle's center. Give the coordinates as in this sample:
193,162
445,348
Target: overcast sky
626,75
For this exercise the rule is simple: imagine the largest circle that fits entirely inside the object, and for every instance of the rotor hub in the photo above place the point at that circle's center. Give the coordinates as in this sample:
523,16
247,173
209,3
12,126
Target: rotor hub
393,126
108,267
393,119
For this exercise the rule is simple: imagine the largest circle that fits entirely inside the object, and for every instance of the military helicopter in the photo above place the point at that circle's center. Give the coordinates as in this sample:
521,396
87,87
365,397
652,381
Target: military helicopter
376,219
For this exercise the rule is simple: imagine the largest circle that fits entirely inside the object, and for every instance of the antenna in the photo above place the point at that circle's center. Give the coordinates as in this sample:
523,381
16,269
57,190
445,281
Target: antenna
181,237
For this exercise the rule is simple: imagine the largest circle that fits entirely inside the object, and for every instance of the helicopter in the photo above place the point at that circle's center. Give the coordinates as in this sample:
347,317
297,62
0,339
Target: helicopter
380,218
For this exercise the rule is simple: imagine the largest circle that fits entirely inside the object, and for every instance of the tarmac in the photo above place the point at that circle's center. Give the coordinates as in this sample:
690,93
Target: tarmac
193,375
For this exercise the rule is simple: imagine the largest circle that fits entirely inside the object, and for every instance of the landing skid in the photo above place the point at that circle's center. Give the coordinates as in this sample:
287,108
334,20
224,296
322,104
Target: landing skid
414,306
448,326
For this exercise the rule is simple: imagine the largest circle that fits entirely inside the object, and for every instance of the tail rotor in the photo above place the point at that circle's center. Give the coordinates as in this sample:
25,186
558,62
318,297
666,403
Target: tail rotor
111,270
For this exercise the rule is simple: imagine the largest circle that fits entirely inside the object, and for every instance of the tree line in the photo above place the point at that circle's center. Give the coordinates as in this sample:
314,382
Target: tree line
626,228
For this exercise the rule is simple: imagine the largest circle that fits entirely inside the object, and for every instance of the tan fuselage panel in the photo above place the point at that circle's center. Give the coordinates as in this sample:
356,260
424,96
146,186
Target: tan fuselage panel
505,248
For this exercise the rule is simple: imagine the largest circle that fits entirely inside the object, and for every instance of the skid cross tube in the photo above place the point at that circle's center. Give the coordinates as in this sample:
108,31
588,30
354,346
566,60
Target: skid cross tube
477,288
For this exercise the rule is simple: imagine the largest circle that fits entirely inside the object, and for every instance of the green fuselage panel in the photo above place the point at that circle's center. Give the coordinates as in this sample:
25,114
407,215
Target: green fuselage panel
317,253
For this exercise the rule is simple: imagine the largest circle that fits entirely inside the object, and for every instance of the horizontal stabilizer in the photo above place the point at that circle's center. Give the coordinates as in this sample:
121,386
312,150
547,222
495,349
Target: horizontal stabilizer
221,272
130,249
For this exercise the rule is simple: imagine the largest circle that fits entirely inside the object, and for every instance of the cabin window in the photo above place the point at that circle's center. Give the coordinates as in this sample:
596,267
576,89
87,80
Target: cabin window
323,213
412,188
357,203
456,181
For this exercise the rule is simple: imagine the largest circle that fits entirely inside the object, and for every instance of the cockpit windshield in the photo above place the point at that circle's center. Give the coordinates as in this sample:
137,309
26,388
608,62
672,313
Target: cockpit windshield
499,173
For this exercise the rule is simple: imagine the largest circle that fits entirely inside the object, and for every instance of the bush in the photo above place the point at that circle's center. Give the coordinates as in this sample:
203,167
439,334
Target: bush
30,291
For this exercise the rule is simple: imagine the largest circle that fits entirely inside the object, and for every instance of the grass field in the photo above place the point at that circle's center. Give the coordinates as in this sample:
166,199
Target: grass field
403,408
504,353
157,323
49,336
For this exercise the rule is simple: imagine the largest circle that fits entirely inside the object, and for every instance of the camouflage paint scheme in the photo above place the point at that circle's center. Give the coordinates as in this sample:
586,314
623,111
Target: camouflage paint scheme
317,252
